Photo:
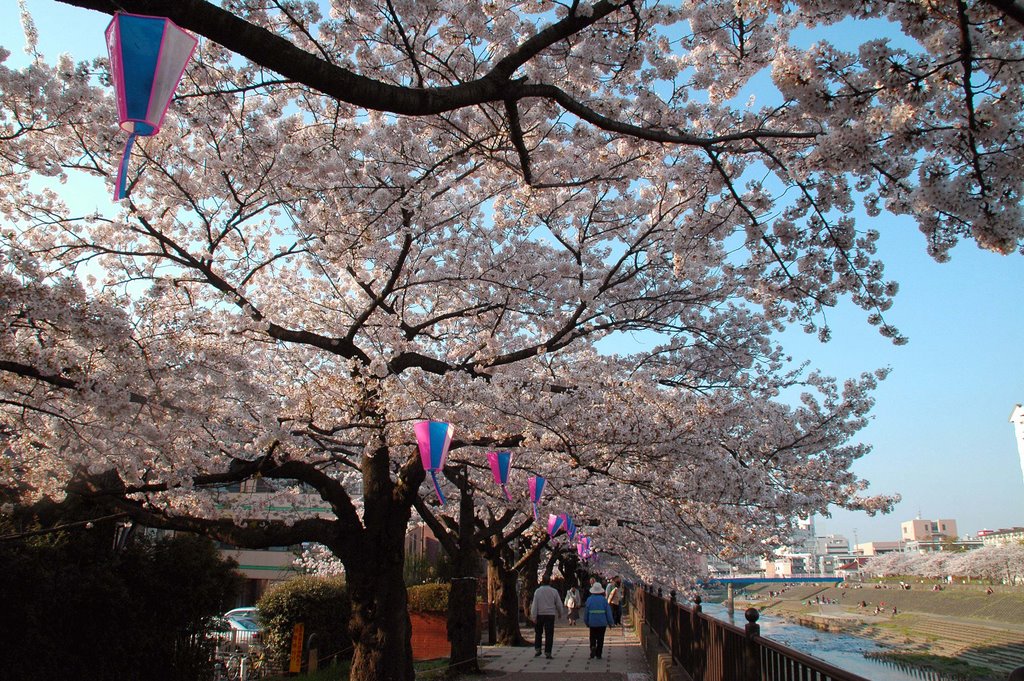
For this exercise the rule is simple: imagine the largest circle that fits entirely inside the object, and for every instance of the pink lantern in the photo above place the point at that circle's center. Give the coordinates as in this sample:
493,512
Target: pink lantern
556,524
148,55
434,438
501,466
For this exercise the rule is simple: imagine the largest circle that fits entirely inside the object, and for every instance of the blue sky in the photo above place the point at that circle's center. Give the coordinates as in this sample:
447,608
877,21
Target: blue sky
940,431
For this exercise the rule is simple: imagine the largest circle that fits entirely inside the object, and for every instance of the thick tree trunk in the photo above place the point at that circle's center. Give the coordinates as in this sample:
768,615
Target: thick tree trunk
462,597
530,582
507,602
462,632
379,626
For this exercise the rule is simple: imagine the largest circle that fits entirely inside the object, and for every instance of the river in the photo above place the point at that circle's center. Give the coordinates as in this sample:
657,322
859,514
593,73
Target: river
841,650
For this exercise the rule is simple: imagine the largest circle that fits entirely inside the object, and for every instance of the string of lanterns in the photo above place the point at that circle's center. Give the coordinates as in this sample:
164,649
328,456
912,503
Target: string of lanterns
435,437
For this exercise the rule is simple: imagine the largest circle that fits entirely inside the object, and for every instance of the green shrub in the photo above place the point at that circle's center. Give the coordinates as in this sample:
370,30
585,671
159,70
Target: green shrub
428,598
321,604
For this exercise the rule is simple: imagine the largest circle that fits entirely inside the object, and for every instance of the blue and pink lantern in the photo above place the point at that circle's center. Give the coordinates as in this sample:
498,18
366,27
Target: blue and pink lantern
501,466
434,438
583,548
536,484
148,55
570,527
556,524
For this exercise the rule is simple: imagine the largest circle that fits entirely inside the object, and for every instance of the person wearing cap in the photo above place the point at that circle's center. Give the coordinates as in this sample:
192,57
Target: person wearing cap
547,603
597,615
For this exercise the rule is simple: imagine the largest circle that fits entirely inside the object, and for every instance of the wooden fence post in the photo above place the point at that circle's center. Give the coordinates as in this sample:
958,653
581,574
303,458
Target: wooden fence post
752,652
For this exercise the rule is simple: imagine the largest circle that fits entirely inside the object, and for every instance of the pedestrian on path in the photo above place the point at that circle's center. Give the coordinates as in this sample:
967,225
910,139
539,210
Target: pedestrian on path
597,615
547,604
614,596
573,601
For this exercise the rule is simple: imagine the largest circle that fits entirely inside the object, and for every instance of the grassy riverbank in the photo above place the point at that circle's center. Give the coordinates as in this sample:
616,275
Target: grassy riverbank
961,630
944,665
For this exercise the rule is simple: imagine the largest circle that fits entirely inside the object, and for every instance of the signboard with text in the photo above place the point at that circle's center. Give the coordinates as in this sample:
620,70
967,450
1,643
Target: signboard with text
295,664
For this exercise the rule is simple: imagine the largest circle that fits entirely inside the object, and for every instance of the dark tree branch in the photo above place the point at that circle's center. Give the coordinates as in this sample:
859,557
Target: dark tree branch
409,49
377,299
278,54
26,371
515,131
108,490
1011,8
531,552
441,532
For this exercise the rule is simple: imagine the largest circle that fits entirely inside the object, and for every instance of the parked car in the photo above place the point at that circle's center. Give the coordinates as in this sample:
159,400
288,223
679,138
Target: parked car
249,613
237,631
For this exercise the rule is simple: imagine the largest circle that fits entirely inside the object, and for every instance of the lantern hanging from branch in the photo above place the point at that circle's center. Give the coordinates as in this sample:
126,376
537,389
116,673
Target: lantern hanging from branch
536,488
434,438
556,524
570,527
148,55
501,466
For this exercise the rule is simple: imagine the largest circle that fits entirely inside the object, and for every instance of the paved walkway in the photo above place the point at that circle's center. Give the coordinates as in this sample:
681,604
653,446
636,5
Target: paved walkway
622,660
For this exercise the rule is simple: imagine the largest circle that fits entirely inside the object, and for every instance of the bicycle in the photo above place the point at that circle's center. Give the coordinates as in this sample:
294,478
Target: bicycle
232,667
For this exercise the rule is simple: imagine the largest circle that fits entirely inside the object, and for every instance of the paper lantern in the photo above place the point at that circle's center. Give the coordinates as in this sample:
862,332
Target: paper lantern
434,438
570,527
147,57
556,524
501,466
536,488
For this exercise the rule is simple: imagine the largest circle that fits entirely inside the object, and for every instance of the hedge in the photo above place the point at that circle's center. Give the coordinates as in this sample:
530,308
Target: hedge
428,598
321,604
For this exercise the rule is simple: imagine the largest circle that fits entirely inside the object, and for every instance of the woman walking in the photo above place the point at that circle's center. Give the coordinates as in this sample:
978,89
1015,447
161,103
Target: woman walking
573,601
597,615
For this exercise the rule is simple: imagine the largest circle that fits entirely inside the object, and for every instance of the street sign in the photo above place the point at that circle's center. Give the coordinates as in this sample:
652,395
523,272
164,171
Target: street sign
295,664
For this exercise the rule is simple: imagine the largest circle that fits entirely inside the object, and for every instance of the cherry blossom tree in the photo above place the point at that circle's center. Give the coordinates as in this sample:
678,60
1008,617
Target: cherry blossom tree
895,563
998,563
994,563
429,210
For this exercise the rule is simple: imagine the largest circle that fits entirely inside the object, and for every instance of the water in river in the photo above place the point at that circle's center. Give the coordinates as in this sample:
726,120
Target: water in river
841,650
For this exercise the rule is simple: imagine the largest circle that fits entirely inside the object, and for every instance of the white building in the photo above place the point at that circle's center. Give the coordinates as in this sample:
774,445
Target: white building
808,554
877,548
831,545
1001,536
1017,419
256,499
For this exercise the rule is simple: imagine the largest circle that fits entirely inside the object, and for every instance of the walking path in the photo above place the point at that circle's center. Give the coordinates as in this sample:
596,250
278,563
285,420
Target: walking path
622,660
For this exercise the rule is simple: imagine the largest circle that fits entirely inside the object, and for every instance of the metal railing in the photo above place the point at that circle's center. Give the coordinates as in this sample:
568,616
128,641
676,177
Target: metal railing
711,650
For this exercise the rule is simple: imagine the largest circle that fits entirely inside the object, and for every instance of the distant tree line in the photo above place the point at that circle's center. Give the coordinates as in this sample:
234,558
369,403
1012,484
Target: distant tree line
996,564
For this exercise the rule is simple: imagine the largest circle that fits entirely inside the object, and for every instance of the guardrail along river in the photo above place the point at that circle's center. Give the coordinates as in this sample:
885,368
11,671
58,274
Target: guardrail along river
842,650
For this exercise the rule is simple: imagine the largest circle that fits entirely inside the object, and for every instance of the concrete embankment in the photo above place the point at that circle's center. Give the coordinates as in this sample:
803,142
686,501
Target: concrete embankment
961,622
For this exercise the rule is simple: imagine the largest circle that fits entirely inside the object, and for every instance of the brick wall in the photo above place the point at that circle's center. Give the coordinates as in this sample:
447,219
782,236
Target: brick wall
429,636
